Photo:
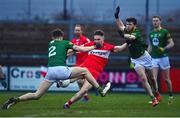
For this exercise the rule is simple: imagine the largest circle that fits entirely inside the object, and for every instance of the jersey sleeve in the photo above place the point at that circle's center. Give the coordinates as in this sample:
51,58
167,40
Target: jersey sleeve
73,41
137,34
70,44
111,47
168,35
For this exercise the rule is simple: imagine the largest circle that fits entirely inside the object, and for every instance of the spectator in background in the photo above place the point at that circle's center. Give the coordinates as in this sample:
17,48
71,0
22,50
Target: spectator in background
139,56
2,78
160,42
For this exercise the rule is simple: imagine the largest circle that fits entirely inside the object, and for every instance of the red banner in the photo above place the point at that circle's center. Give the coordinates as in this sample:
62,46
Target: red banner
175,79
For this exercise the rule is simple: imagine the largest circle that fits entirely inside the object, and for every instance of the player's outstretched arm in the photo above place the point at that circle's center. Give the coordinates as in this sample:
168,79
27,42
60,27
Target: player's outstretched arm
83,49
120,48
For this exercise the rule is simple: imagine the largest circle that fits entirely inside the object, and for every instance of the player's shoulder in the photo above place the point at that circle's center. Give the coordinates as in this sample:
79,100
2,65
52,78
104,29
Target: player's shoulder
73,40
51,41
85,38
164,30
89,43
106,44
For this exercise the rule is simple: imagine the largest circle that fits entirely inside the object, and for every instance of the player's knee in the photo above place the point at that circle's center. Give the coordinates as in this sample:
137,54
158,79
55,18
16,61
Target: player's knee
143,79
37,96
84,70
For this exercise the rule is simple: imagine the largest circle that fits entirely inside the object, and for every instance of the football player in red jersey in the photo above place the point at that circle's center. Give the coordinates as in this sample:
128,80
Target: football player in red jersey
80,40
95,63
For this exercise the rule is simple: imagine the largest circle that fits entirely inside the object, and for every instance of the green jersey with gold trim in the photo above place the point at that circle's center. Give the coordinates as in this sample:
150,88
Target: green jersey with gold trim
138,46
159,38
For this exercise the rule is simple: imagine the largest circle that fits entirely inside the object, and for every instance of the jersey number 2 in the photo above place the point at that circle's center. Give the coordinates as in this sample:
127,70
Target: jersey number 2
52,51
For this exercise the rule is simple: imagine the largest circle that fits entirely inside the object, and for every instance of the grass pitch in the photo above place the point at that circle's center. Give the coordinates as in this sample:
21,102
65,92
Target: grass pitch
113,105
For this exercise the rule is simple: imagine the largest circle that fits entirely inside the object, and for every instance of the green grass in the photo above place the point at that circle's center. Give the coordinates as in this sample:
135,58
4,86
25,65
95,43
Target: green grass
114,104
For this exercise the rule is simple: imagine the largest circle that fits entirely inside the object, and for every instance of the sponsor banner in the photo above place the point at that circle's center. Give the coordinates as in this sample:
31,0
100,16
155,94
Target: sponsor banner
122,80
175,79
29,78
5,72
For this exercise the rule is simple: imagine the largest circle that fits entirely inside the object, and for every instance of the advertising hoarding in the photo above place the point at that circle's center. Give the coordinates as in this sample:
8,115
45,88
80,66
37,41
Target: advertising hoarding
29,78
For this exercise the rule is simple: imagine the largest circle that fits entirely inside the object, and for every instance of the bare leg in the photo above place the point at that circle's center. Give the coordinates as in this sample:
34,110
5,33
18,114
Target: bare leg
141,72
166,76
44,86
152,77
84,89
78,71
28,96
80,84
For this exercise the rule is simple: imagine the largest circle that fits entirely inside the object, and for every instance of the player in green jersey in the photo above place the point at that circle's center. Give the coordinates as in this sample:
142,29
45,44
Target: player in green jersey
57,69
137,48
160,42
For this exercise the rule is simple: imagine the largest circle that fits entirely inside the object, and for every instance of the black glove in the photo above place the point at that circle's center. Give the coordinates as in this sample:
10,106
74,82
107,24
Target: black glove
128,41
116,14
98,45
121,33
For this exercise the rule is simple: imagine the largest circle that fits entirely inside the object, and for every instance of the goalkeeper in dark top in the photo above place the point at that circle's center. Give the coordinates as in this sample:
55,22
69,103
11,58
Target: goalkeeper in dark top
139,56
160,42
57,69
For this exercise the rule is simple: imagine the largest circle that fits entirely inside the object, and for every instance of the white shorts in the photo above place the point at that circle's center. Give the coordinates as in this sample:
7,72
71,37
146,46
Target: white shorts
162,63
57,73
145,61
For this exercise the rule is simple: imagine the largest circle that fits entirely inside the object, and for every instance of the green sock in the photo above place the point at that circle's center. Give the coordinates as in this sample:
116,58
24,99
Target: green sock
152,97
99,89
17,100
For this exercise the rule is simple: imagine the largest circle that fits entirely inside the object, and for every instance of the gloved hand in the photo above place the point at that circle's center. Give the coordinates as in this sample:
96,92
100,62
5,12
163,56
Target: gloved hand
128,41
116,14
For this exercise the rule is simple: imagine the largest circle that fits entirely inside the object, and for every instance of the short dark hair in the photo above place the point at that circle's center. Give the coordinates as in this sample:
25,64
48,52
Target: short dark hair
57,33
99,32
157,17
132,19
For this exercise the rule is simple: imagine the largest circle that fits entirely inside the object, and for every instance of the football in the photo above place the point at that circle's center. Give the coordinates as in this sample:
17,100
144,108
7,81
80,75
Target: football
63,83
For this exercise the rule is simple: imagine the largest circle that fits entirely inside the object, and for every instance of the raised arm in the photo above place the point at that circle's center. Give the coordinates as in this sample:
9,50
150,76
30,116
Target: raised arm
118,20
121,26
